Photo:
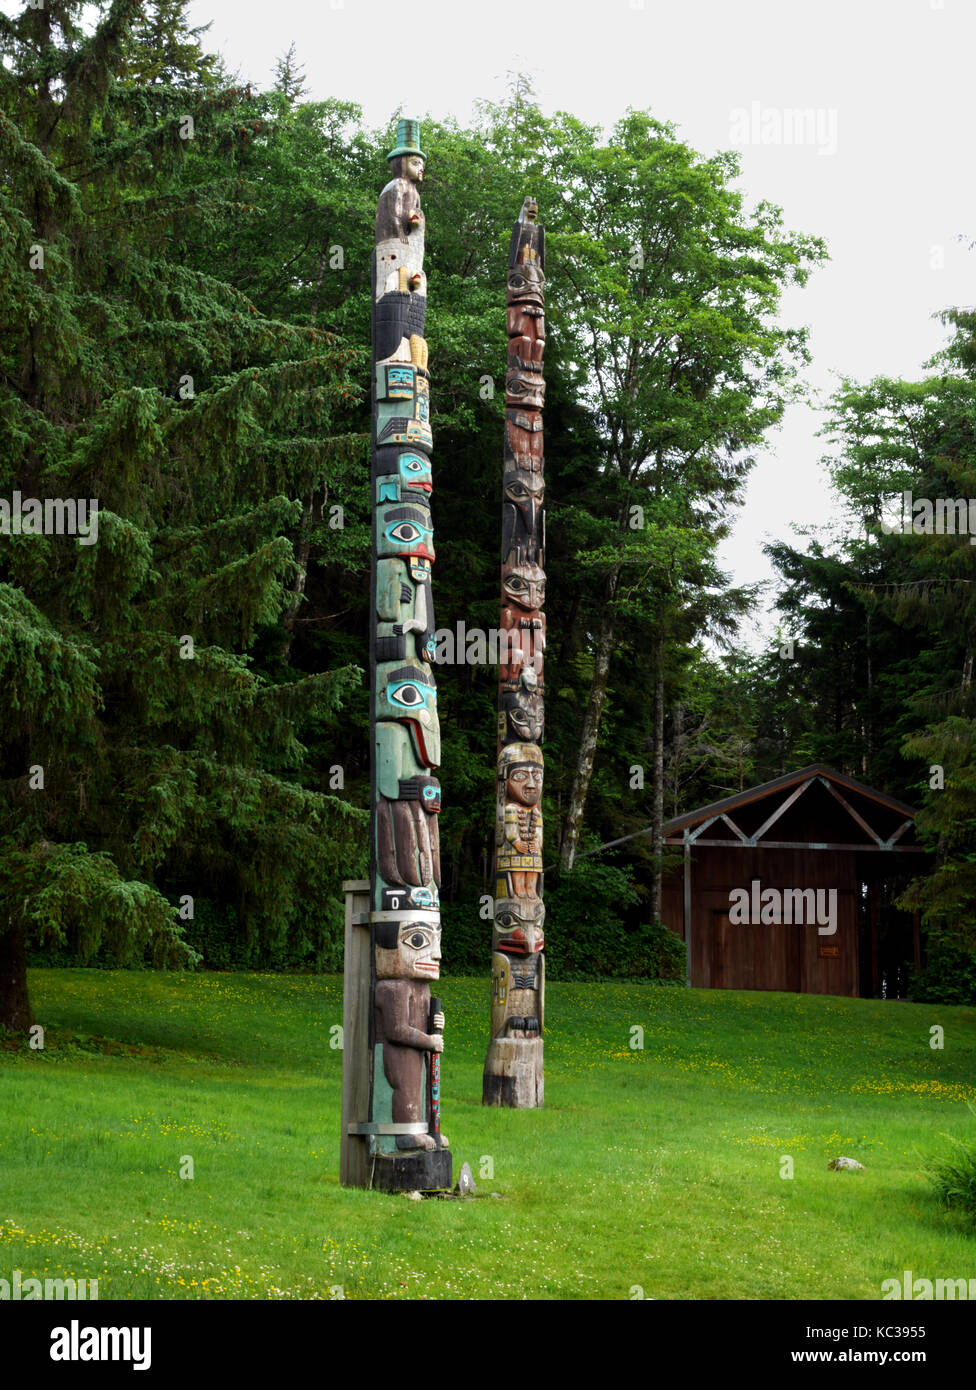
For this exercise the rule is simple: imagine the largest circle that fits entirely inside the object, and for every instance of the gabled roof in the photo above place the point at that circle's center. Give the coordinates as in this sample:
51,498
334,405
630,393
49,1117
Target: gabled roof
791,779
793,785
896,818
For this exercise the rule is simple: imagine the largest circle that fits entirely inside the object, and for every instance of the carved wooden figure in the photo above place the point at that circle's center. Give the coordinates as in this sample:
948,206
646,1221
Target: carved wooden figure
407,953
407,1150
518,824
523,623
513,1073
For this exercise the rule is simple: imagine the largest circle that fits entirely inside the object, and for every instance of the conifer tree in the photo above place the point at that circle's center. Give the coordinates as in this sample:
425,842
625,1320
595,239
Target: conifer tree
289,76
887,618
150,755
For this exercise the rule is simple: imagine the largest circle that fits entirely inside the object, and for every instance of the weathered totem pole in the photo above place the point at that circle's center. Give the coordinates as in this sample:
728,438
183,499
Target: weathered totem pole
513,1073
407,1149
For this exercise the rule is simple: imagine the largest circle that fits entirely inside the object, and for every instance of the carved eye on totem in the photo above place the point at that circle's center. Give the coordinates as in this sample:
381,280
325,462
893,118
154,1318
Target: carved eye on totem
406,532
526,593
517,282
410,696
413,465
518,492
507,921
425,941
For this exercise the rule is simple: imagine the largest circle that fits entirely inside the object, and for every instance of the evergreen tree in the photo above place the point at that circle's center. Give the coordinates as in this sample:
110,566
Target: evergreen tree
151,752
888,619
289,77
163,49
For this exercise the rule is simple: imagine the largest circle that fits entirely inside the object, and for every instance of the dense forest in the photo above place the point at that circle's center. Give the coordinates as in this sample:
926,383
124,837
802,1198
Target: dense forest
184,302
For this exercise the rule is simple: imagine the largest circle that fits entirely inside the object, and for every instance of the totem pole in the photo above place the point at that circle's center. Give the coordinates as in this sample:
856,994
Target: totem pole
513,1068
406,1148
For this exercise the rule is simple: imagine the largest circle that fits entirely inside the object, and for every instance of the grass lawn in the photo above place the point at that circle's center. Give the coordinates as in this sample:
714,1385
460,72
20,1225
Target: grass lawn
656,1170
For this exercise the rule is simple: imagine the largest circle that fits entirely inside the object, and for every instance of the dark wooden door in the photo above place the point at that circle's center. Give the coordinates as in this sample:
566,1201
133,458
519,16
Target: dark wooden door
754,956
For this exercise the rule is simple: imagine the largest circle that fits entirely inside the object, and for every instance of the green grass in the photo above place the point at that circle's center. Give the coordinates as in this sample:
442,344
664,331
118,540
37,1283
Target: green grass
657,1168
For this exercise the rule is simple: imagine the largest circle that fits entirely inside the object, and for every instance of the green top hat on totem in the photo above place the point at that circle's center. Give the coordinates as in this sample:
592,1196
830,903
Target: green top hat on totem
408,138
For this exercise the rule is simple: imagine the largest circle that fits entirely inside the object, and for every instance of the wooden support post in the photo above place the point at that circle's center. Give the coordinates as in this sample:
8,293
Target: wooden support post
687,909
917,939
875,954
353,1148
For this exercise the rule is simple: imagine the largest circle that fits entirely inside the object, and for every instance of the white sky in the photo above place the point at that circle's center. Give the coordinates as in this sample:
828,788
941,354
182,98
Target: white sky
891,194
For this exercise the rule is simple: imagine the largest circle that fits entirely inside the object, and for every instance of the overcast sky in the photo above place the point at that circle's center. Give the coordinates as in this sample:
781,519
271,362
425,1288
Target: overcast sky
883,171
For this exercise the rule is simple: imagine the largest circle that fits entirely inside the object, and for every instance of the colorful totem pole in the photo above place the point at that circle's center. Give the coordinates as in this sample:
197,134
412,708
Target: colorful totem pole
513,1068
406,1148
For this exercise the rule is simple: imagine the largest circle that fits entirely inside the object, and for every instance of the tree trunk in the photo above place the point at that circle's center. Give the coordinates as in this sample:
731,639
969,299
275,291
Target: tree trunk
573,823
657,808
680,740
15,1009
298,588
317,294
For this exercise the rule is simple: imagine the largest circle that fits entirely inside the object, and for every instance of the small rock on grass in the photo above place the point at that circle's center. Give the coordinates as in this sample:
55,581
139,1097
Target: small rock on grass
846,1163
465,1184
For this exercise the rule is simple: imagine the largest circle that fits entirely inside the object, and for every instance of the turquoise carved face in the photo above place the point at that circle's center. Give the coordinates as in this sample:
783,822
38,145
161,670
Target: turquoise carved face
413,478
405,531
415,473
405,692
402,405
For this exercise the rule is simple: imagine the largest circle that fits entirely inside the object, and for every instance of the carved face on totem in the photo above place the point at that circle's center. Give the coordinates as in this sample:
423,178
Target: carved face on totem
412,480
407,533
523,440
406,692
402,401
524,784
520,769
521,716
525,586
527,492
426,790
404,382
407,945
526,286
524,388
415,473
519,926
407,166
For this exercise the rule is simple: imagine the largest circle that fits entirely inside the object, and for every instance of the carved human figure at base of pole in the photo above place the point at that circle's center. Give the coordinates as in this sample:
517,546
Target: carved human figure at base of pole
407,954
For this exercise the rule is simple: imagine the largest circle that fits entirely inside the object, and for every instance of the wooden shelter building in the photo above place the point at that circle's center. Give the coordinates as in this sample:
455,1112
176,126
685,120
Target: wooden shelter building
817,830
